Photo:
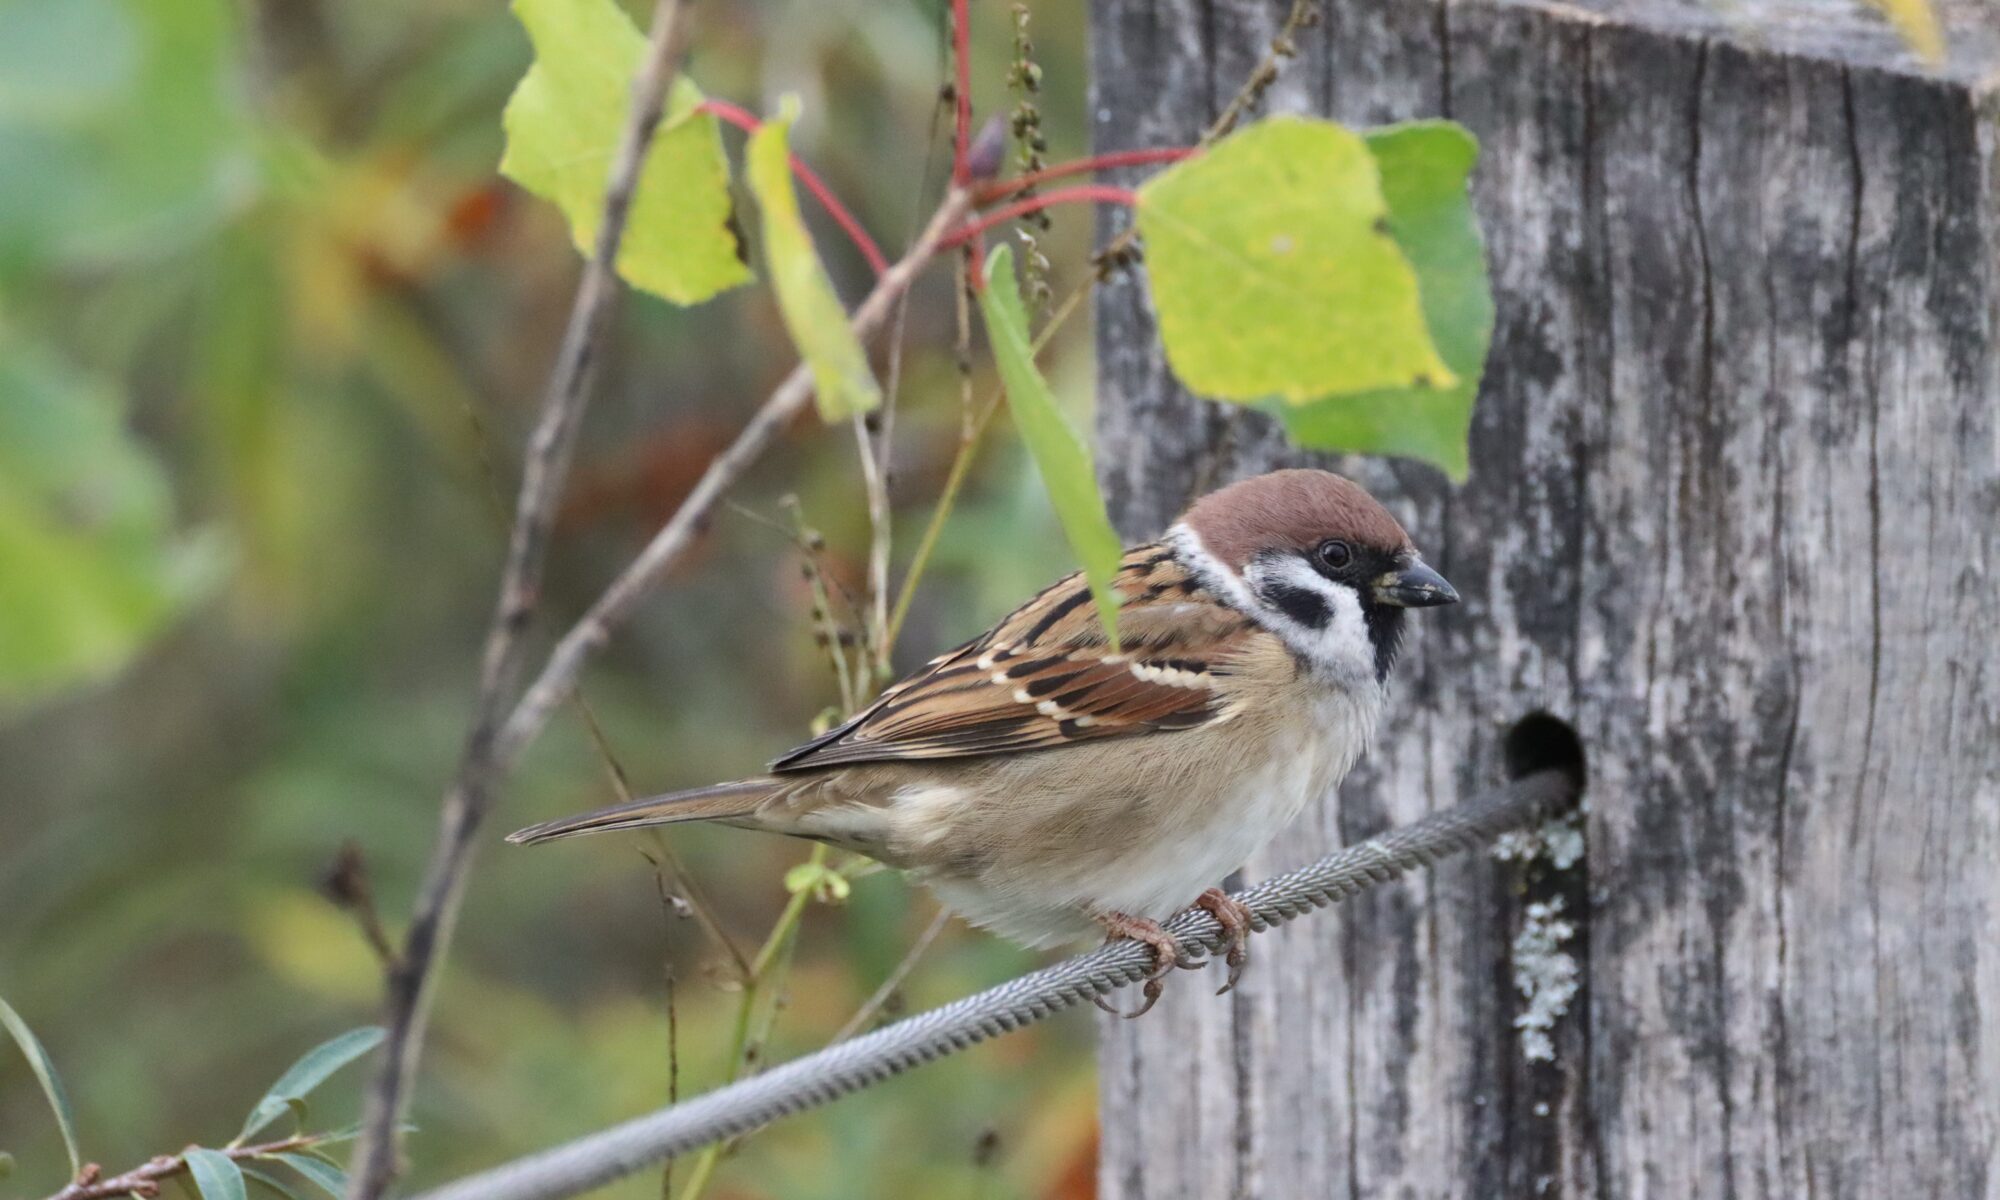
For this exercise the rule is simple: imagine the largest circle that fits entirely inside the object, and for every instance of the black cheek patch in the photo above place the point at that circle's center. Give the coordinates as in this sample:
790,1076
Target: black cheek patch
1302,605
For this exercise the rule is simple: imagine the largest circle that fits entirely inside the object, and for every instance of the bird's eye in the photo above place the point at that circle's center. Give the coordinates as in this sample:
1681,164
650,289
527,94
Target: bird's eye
1335,553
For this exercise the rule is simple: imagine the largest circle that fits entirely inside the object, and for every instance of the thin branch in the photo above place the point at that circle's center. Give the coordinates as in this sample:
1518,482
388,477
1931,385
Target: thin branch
544,474
1095,193
880,996
961,467
1304,14
875,482
961,93
748,122
92,1184
565,664
347,886
1003,188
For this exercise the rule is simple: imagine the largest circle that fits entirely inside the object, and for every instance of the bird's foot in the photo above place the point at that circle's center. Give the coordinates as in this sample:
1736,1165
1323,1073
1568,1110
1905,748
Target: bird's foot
1167,955
1234,917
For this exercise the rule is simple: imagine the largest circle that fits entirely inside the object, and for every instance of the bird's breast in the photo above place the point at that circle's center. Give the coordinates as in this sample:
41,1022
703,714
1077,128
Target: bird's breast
1141,825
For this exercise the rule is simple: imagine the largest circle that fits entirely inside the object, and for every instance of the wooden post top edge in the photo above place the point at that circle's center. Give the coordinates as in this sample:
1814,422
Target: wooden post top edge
1851,33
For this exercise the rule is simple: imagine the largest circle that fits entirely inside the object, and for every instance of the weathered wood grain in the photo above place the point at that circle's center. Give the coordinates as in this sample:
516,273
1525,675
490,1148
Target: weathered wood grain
1735,514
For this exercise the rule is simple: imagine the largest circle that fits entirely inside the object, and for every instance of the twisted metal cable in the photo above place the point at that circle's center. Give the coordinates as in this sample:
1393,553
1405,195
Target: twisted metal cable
597,1159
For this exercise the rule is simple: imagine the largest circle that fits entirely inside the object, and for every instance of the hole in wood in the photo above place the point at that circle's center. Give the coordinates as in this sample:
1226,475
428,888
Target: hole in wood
1542,741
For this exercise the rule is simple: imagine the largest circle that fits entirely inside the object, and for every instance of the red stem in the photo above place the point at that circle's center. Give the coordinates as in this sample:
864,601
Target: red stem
1001,188
961,92
1094,192
747,121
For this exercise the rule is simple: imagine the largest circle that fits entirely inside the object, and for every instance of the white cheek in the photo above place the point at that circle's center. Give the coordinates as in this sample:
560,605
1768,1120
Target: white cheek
1340,647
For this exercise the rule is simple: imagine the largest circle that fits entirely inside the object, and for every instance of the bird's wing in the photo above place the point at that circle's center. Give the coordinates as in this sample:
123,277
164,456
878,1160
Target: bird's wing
1045,675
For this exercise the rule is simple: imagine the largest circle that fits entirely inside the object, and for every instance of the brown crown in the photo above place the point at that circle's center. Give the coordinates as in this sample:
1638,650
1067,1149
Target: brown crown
1291,510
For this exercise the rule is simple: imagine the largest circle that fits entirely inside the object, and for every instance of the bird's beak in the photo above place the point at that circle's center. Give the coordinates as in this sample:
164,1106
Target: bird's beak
1414,586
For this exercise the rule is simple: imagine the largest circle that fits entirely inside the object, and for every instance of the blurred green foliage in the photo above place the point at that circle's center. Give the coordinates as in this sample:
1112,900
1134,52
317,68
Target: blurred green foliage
271,329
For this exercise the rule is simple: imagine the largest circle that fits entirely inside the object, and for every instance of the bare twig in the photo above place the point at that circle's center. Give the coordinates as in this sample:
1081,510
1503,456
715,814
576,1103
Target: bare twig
869,1007
875,482
346,884
559,675
92,1184
481,762
1304,14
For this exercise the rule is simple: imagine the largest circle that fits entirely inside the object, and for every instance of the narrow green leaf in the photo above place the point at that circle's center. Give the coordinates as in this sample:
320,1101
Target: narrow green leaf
1424,168
812,310
1274,271
216,1176
563,124
311,1070
1059,454
269,1182
328,1178
45,1072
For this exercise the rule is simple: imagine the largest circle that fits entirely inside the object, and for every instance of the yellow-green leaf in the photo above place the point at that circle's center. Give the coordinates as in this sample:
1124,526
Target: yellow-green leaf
1424,166
1274,271
1059,454
812,310
90,567
563,125
1917,21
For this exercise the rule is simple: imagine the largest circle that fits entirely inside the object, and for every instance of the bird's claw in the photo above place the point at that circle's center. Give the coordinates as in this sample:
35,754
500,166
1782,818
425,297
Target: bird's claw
1234,917
1232,914
1167,954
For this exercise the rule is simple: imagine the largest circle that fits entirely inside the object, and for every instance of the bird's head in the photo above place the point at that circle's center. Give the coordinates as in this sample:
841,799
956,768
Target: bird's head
1315,559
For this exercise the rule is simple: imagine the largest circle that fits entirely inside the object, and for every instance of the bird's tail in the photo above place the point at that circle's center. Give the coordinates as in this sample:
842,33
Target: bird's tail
716,802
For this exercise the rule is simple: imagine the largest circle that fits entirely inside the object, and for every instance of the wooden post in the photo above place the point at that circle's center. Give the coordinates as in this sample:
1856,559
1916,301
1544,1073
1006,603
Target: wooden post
1734,515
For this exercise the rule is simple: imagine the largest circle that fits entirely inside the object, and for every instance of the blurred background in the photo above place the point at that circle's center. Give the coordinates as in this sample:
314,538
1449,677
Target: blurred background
271,332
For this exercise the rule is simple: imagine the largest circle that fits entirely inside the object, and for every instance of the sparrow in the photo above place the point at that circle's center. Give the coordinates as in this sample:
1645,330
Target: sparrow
1049,786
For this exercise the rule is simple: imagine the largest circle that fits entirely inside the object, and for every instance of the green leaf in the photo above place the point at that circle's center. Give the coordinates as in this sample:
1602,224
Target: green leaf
125,130
268,1181
90,569
563,125
311,1070
1274,271
1059,454
1424,167
828,884
806,298
45,1072
327,1177
215,1174
6,1164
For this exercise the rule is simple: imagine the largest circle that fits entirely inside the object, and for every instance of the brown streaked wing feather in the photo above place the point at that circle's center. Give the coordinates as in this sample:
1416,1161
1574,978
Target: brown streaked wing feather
1045,676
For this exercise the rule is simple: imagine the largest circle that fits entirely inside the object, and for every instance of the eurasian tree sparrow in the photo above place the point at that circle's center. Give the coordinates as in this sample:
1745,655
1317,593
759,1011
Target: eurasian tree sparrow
1046,786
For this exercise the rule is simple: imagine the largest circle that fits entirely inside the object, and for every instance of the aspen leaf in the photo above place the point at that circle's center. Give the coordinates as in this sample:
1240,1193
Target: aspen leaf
842,380
1059,454
1424,166
563,124
1275,273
